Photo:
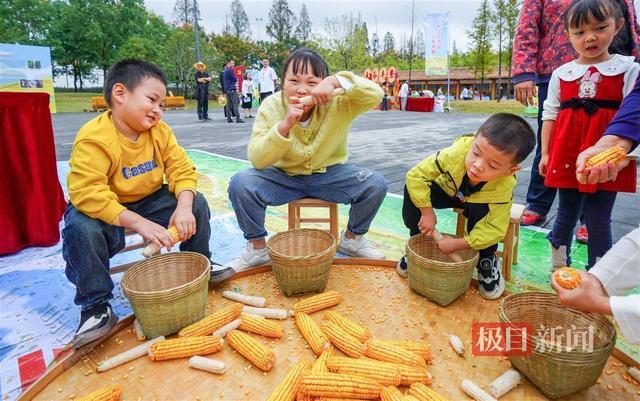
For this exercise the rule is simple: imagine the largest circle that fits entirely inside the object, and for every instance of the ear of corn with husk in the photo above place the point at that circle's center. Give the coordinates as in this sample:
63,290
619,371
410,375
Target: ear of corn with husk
318,302
212,322
343,341
615,154
108,393
356,330
383,373
288,388
421,348
340,385
424,393
252,349
312,333
384,351
391,393
260,325
184,347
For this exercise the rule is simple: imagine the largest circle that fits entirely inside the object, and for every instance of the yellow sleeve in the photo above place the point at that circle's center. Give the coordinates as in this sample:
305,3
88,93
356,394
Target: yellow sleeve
492,228
179,171
266,145
362,95
88,182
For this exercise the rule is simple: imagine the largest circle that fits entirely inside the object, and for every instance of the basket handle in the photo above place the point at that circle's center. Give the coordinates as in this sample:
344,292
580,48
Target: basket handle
454,255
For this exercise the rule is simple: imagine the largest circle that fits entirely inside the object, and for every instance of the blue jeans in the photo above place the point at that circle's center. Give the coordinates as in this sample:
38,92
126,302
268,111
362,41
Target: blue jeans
251,191
539,197
89,243
597,214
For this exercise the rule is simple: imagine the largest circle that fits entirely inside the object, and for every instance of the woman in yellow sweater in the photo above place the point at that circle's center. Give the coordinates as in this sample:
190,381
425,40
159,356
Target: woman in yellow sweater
300,151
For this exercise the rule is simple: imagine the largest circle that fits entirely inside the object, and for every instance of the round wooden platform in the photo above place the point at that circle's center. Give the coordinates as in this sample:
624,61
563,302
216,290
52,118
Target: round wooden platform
374,296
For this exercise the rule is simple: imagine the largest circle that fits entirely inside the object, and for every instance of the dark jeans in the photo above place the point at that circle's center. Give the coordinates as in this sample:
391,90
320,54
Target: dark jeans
202,97
474,212
232,103
384,105
597,214
539,197
263,95
89,243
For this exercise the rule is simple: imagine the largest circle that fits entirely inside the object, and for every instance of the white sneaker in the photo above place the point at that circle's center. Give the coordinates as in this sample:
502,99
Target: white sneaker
250,257
358,248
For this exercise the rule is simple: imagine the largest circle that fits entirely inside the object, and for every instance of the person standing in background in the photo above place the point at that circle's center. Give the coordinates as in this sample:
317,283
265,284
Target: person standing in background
402,94
268,78
247,95
202,90
230,89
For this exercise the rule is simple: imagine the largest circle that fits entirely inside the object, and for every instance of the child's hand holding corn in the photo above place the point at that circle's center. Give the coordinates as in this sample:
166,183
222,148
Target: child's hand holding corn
183,217
427,222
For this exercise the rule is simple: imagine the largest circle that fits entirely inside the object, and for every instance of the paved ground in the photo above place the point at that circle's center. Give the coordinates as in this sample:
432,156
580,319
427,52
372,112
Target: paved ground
388,142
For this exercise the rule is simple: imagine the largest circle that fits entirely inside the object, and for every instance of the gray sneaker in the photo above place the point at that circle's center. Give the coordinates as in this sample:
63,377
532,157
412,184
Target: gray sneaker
95,323
358,248
250,257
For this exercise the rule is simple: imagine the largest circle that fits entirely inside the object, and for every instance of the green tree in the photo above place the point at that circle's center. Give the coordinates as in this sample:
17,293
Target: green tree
25,21
184,11
375,46
480,35
230,46
499,34
149,43
239,21
346,43
281,21
303,30
388,43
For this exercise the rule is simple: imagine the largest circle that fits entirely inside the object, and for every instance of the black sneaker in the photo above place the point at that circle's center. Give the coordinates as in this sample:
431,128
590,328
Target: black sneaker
401,267
229,120
95,323
490,281
239,120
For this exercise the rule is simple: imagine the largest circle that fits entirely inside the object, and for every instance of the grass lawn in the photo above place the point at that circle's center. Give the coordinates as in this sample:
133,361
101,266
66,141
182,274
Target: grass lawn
487,106
76,102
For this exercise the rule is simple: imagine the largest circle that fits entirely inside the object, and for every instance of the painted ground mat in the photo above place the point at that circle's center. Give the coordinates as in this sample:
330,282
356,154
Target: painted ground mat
38,317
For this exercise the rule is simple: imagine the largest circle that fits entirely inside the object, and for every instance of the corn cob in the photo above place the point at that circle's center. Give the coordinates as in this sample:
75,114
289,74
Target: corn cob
140,336
412,374
152,248
222,331
129,355
343,341
269,313
207,364
358,331
212,322
260,325
184,347
475,392
383,351
312,333
410,398
615,154
317,302
424,393
381,372
504,383
456,344
251,349
391,393
320,365
288,388
340,385
567,278
109,393
245,299
421,348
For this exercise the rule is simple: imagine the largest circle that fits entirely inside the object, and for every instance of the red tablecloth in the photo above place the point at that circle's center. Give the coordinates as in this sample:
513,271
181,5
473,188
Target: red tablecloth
420,104
31,199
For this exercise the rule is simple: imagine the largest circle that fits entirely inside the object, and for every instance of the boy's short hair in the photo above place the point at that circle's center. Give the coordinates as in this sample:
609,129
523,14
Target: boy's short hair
130,73
509,134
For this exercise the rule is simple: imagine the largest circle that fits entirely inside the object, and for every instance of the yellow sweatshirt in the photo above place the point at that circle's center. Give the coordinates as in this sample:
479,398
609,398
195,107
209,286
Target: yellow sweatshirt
320,145
446,168
108,169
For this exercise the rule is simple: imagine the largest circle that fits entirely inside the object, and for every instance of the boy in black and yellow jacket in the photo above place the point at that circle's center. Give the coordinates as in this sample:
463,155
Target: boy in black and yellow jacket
119,163
476,174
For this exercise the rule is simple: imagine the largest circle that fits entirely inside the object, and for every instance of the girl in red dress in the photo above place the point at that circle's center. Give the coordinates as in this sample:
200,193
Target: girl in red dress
583,97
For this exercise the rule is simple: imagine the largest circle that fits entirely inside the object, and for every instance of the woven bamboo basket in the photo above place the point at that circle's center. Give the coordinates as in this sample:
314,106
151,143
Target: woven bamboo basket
168,291
433,274
301,259
559,368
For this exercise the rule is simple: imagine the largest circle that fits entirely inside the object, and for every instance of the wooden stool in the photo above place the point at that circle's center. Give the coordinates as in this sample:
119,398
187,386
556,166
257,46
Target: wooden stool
125,266
295,214
510,241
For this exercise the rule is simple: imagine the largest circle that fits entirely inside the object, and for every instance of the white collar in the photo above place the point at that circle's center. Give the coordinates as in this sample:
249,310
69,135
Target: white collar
616,65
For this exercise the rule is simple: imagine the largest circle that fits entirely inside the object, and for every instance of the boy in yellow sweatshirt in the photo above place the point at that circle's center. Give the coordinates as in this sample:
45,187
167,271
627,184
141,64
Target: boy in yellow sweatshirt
476,174
119,163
